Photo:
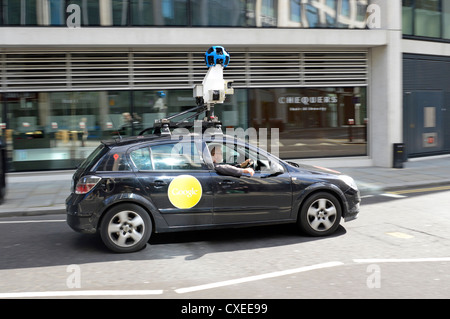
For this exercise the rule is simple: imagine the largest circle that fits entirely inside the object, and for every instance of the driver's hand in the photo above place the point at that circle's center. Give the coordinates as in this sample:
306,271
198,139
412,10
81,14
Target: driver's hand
249,171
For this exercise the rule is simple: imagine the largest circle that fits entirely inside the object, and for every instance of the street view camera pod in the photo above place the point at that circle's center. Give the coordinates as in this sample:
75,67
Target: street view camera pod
213,90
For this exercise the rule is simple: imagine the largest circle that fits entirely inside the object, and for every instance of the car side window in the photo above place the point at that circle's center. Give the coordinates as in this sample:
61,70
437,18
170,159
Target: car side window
113,162
235,154
141,159
172,156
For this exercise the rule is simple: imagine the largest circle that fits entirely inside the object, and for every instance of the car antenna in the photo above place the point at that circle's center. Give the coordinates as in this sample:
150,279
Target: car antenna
212,91
114,127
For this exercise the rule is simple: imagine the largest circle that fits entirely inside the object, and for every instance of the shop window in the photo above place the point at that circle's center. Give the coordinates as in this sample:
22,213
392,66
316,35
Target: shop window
313,122
57,130
150,105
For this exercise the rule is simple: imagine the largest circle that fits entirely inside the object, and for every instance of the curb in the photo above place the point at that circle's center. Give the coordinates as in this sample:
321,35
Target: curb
33,211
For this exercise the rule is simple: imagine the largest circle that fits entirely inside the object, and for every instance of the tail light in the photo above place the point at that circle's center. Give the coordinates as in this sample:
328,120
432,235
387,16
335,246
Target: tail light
86,184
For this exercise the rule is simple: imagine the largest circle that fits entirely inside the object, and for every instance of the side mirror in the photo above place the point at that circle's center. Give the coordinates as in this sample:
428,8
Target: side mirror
274,170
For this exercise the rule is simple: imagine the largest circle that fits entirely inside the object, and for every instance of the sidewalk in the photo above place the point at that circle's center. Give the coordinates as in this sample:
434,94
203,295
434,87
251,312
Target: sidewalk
40,193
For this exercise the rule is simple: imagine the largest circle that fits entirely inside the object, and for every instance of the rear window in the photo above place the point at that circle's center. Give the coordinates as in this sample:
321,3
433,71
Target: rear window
93,157
114,162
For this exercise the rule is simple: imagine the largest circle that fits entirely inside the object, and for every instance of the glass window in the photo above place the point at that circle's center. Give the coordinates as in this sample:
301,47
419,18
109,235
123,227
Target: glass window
235,154
159,12
312,122
408,16
176,156
120,12
90,11
114,162
294,9
141,159
58,130
427,21
219,13
57,12
21,12
446,18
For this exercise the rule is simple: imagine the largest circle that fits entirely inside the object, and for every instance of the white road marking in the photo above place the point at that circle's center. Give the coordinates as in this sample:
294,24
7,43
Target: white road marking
400,235
258,277
80,293
401,260
393,195
32,221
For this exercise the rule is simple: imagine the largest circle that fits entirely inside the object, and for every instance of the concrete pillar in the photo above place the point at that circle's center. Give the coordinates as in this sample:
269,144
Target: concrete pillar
386,86
106,15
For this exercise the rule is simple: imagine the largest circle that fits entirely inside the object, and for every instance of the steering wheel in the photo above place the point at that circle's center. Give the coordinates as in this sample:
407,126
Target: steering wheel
247,163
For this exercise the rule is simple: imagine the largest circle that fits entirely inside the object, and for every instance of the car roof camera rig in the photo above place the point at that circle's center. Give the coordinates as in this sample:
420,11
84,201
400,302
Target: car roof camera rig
212,91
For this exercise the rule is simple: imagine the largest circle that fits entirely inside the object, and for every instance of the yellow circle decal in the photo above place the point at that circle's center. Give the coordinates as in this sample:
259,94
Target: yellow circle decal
185,191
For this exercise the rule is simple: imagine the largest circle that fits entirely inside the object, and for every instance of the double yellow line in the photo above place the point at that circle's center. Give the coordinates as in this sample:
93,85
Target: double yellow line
421,190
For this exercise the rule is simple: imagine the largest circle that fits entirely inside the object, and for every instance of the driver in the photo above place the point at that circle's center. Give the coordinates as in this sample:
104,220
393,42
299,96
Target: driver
226,169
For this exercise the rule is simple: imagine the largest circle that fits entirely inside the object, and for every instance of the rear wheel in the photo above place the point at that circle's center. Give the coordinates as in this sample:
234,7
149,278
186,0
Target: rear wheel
126,228
320,215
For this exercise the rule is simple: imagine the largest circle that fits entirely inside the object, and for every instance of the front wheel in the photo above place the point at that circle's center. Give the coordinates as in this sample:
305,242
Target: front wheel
320,215
126,228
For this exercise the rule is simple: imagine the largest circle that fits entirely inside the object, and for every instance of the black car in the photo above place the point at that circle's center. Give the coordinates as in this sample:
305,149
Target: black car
129,188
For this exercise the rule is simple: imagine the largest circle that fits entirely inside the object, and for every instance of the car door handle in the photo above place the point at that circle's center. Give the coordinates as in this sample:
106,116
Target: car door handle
226,182
159,183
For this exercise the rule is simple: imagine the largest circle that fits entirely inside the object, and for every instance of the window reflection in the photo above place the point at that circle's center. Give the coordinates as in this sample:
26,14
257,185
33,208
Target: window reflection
57,130
446,19
329,13
218,13
427,18
233,13
313,122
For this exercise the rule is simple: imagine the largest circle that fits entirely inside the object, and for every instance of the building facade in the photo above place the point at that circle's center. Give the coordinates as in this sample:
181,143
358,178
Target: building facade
328,74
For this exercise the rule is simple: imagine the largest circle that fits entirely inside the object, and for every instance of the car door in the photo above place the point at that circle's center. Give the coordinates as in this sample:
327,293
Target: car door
177,180
243,199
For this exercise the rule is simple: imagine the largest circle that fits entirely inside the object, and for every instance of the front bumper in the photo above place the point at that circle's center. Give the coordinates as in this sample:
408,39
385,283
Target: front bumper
354,202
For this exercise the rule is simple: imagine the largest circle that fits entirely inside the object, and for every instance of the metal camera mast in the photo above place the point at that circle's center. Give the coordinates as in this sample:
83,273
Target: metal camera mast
212,91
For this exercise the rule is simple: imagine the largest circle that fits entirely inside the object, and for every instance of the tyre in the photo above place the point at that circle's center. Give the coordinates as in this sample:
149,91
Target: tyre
320,215
126,228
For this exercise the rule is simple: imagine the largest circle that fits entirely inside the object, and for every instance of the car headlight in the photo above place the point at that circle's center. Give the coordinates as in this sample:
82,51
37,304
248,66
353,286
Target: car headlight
349,181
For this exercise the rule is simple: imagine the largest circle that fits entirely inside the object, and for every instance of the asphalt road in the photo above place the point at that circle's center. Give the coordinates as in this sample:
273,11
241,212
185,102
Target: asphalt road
399,247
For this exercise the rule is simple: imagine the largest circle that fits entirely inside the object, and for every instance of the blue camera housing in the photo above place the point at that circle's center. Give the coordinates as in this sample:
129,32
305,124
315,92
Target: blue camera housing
217,55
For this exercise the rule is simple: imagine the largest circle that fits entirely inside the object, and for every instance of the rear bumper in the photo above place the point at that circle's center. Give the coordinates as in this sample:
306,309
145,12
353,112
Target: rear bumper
78,221
81,224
